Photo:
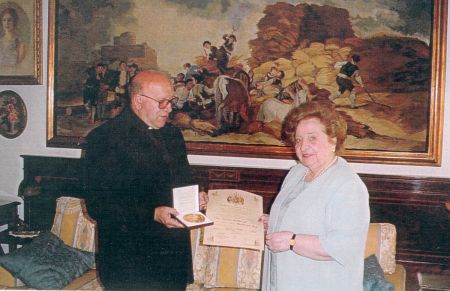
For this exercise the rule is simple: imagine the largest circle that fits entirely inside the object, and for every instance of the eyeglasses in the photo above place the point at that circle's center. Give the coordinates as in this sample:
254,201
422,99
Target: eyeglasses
162,104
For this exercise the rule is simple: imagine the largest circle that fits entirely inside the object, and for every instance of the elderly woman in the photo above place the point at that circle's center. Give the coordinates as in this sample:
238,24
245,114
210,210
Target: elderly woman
318,223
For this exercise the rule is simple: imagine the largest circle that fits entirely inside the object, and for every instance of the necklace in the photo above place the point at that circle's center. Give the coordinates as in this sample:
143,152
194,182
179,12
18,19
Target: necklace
320,173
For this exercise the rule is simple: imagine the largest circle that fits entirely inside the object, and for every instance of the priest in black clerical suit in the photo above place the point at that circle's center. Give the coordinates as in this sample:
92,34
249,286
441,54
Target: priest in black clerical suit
131,165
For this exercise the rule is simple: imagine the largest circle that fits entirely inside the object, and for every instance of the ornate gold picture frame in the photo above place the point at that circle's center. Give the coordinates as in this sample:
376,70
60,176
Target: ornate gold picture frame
20,42
397,116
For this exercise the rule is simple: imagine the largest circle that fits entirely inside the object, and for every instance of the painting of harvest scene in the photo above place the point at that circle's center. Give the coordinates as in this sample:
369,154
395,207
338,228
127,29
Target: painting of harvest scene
238,67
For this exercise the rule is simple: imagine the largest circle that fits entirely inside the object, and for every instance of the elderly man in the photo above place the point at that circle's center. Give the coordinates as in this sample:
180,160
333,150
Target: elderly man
131,165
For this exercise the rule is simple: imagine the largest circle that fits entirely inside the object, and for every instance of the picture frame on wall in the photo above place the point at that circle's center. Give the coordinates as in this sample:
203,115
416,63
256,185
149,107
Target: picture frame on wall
14,114
20,42
276,54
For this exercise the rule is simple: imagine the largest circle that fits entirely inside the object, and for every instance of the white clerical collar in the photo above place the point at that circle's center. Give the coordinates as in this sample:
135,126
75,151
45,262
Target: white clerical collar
150,128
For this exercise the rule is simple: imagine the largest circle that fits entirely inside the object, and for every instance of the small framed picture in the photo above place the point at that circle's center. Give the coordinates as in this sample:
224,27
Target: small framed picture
13,114
20,42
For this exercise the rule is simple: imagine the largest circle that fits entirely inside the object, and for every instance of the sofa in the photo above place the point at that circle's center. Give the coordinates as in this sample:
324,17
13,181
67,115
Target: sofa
215,268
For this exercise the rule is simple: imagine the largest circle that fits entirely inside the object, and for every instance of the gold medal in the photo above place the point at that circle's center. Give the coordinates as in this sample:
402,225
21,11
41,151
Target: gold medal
193,217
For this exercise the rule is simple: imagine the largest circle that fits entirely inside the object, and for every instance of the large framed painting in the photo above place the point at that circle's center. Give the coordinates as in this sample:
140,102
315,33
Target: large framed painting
238,67
20,42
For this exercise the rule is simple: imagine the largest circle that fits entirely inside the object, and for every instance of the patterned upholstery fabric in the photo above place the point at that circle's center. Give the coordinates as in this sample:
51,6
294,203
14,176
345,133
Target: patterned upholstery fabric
73,225
381,241
225,267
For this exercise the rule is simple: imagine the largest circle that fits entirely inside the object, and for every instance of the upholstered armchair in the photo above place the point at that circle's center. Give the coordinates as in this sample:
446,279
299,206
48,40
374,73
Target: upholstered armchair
382,242
225,267
76,229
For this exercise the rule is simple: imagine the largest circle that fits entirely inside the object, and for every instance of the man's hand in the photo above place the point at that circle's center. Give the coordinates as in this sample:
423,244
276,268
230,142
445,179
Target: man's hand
163,215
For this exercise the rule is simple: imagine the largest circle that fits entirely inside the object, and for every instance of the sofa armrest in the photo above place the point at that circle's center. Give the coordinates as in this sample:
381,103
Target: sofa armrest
381,242
398,278
87,281
6,278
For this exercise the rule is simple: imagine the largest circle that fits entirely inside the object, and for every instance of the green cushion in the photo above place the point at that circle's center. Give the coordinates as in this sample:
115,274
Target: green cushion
47,263
374,276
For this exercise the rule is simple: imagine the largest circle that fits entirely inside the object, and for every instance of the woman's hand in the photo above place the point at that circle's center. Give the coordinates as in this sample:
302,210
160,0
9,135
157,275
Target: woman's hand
265,220
203,200
278,241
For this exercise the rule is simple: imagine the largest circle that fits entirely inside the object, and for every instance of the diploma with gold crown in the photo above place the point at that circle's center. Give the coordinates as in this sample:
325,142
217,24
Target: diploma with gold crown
235,214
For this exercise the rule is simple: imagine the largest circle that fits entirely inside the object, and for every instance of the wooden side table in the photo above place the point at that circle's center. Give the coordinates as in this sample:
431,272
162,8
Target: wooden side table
9,217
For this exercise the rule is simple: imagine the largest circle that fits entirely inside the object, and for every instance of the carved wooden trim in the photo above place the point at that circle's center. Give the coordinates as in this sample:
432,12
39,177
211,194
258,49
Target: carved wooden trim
224,175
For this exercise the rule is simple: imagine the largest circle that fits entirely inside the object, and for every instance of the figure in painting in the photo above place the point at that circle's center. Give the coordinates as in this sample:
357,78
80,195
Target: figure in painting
229,42
133,70
348,73
223,54
207,49
208,60
107,85
272,83
91,91
12,48
276,108
297,92
191,70
178,81
182,91
201,100
122,82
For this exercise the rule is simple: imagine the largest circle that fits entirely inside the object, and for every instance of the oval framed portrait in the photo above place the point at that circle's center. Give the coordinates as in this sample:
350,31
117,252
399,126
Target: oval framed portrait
13,114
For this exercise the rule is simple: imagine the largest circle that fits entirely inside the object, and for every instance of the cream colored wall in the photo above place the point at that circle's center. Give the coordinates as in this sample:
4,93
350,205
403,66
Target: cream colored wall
33,140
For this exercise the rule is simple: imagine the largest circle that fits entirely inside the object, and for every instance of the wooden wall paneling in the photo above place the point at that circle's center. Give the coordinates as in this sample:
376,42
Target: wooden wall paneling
417,206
